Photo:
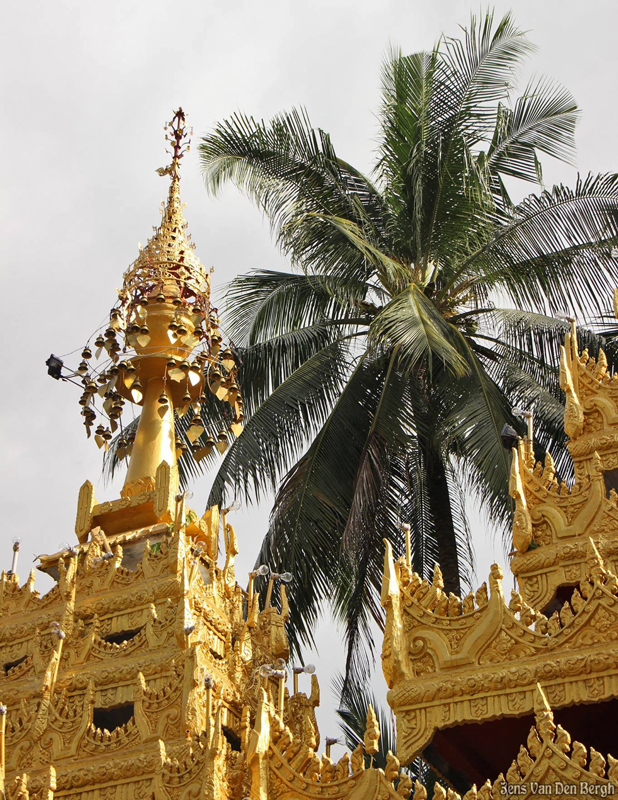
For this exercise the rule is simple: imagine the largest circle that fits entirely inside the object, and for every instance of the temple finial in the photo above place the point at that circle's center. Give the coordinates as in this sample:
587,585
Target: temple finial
179,137
161,350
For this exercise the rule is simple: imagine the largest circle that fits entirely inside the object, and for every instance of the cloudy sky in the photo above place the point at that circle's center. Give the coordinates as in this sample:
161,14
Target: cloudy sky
86,88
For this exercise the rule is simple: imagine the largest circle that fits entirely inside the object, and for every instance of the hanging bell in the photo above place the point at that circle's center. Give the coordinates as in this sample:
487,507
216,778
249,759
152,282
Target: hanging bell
173,326
201,452
83,368
86,353
184,366
182,331
196,429
102,379
177,301
144,330
99,341
236,427
144,301
195,374
98,436
222,444
136,391
107,435
110,333
163,399
186,398
222,389
227,359
160,298
196,309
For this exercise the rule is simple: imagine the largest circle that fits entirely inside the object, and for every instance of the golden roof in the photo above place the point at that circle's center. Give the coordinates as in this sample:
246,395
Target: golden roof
553,519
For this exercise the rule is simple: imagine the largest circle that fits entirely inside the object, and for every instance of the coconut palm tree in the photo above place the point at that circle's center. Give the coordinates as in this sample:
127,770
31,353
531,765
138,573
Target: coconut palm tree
378,372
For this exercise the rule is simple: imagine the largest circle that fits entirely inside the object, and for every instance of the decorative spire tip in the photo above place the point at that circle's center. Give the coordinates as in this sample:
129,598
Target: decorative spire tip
179,137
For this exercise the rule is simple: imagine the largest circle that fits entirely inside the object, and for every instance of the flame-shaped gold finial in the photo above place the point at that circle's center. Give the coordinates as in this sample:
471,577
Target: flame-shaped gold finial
169,254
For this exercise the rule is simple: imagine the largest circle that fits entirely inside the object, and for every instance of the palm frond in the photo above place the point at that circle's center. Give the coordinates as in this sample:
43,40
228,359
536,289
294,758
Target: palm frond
280,427
265,303
542,120
557,253
413,324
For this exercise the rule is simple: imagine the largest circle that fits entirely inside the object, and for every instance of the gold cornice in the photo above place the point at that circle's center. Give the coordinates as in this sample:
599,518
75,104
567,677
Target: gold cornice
449,662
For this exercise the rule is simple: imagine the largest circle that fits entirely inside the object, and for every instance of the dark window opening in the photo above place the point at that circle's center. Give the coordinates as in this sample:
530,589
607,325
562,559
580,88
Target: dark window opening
610,476
563,595
214,653
11,664
232,738
121,636
112,718
471,753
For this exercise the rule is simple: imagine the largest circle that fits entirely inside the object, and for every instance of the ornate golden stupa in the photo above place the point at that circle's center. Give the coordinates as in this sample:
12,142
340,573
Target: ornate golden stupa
147,671
486,687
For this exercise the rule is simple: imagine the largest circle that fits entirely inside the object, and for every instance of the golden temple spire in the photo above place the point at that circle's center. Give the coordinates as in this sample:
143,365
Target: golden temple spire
160,350
171,248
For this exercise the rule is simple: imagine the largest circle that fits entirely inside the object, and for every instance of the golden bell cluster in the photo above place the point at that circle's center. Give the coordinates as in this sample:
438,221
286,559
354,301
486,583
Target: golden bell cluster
162,325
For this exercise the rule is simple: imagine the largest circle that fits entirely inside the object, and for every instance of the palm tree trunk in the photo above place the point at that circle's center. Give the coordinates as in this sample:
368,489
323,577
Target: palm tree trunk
437,487
440,505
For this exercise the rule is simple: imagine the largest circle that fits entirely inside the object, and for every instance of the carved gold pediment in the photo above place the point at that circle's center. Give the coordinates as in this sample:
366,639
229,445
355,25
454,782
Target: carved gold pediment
450,662
553,519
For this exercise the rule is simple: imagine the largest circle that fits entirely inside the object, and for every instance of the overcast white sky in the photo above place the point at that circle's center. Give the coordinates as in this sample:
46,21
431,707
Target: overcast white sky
86,88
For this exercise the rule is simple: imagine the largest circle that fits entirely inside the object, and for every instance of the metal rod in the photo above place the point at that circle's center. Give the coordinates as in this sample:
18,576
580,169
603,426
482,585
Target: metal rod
15,557
2,756
281,694
269,592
